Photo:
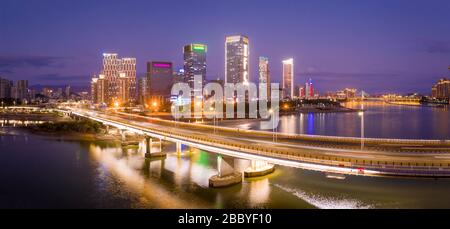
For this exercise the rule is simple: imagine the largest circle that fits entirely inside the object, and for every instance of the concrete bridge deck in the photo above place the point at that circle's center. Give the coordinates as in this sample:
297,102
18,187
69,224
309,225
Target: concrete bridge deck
391,157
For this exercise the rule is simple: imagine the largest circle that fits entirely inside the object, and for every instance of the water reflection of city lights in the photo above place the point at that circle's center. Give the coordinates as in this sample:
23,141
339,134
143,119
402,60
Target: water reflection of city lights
128,171
324,202
259,191
14,123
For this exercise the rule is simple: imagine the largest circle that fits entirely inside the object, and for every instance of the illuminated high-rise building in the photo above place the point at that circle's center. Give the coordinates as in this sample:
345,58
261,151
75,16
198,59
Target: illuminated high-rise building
127,79
194,56
110,71
301,92
98,89
22,89
119,80
143,91
441,89
288,78
237,59
160,79
309,89
264,73
94,88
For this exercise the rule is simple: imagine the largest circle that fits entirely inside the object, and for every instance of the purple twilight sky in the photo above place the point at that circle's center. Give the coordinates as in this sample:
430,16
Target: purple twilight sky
374,45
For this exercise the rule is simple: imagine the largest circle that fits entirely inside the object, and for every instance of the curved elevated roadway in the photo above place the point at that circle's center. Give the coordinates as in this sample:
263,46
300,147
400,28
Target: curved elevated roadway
379,157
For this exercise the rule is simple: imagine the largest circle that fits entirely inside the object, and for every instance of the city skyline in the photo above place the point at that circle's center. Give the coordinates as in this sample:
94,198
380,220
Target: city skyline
228,105
328,44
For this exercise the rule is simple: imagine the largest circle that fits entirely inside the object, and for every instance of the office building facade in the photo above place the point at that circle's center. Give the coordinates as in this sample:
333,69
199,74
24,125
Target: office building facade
160,79
264,74
5,88
441,90
237,54
117,82
194,56
288,78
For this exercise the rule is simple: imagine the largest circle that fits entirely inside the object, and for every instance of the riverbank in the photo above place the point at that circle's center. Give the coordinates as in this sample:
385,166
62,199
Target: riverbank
79,130
434,105
303,110
46,117
60,127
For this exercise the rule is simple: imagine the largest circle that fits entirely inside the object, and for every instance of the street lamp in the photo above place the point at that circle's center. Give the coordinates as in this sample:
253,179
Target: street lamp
274,129
214,118
361,114
174,109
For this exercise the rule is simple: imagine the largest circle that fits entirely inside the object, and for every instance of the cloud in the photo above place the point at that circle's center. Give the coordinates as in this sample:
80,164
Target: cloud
437,47
9,63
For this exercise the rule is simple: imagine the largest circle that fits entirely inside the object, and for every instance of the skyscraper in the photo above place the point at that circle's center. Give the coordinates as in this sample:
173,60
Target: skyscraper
127,80
5,88
98,89
118,78
94,88
264,73
236,59
309,89
143,91
301,92
111,73
160,78
20,90
288,78
194,62
442,89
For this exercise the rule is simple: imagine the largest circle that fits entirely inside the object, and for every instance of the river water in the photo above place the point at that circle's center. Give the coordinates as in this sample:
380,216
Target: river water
381,120
39,171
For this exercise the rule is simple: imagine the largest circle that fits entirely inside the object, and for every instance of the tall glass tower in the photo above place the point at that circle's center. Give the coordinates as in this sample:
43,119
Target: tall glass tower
288,78
194,62
236,59
264,74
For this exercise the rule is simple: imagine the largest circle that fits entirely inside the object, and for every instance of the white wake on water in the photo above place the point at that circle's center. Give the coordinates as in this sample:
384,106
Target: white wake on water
325,202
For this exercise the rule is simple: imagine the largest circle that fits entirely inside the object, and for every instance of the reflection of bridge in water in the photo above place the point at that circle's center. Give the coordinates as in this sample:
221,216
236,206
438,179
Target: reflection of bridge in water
379,157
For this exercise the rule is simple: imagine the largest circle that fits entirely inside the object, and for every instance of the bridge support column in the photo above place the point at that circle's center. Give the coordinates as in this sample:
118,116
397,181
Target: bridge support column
178,148
259,168
150,151
107,129
226,174
122,135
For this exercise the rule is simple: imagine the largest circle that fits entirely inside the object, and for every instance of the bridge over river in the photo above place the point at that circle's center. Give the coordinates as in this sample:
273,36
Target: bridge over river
330,154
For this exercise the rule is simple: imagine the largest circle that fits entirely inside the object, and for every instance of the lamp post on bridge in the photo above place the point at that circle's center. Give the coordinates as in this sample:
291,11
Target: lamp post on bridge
361,114
214,117
174,108
274,129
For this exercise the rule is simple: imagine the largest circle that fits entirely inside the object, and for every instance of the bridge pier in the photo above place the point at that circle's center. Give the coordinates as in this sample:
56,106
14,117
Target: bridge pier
150,152
259,168
122,135
226,174
178,148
